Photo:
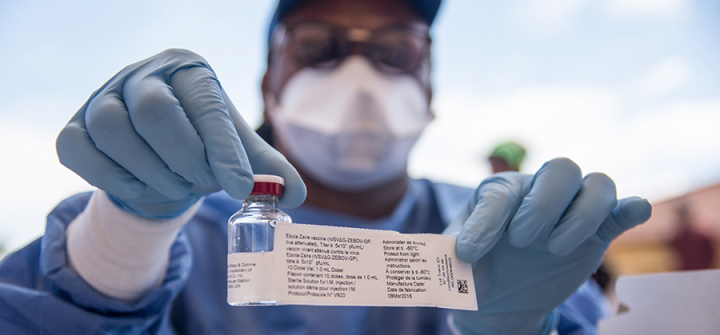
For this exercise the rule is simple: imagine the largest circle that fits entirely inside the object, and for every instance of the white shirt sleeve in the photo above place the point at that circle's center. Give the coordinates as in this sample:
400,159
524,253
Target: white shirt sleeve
121,255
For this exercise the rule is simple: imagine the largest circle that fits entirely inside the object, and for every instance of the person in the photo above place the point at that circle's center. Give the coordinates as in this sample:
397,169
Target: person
694,248
347,93
507,156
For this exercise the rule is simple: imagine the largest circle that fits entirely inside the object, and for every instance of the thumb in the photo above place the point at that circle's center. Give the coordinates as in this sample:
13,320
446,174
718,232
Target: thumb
628,213
264,159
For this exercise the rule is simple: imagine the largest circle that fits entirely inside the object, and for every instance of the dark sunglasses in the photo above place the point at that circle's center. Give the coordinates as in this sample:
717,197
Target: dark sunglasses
392,50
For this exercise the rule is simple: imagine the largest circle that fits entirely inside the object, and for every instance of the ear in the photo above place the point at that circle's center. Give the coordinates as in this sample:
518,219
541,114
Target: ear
422,74
265,91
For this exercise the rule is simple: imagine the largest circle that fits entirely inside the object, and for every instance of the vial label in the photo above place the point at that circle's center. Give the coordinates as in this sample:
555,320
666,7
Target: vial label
247,278
325,265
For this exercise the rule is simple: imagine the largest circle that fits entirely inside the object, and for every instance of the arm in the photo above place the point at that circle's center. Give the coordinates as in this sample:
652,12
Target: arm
534,240
155,138
121,255
40,294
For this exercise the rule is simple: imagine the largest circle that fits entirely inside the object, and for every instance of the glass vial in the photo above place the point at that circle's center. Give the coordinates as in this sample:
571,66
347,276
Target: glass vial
252,228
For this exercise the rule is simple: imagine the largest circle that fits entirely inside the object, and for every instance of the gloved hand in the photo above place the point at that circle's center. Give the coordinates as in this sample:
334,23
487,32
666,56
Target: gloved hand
162,133
533,240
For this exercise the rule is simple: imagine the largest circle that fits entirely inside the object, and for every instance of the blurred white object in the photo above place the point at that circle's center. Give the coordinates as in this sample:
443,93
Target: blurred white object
685,302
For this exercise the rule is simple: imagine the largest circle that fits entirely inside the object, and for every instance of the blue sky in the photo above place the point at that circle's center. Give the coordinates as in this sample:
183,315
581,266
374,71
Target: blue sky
627,87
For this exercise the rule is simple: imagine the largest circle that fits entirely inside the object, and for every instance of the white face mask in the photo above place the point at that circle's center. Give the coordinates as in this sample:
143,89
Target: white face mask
350,128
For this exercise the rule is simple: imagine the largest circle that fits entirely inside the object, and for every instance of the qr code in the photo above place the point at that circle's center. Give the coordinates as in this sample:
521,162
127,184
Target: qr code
462,286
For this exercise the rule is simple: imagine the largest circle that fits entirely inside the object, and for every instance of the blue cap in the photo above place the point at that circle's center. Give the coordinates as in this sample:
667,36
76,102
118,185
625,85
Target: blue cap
426,8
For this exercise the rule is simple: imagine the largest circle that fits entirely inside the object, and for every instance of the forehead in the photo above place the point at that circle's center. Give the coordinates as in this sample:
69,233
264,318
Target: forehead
367,14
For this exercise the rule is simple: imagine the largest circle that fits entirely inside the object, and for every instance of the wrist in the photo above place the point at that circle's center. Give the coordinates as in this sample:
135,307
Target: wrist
121,255
150,208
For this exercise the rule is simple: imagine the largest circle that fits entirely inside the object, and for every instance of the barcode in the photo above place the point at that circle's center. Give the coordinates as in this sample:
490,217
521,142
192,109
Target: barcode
462,286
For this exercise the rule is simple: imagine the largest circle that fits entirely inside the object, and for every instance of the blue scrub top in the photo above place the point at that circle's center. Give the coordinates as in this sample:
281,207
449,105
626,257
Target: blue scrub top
39,294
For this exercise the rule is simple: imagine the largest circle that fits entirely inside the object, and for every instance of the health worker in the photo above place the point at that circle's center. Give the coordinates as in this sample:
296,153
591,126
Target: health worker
347,93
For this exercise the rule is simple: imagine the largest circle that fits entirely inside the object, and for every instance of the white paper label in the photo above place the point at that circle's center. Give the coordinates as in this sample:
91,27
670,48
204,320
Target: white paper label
325,265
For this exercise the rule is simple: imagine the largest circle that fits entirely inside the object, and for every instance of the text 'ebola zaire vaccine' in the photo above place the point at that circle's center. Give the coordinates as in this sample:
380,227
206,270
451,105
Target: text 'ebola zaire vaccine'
252,228
272,261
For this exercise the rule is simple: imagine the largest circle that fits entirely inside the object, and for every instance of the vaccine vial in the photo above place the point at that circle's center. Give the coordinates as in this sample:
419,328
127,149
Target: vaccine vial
252,228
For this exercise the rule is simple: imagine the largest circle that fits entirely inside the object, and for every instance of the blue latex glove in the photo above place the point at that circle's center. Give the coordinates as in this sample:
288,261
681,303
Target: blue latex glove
534,240
162,133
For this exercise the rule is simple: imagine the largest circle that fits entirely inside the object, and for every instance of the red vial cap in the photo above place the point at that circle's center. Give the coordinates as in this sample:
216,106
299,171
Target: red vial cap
268,184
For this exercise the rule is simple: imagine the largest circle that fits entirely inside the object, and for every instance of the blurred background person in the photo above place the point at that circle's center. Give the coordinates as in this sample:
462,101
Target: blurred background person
694,248
507,156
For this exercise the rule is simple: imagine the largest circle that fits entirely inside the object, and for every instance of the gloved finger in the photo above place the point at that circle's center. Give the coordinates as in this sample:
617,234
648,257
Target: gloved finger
266,160
160,120
553,188
77,152
200,95
113,133
591,206
628,213
495,202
